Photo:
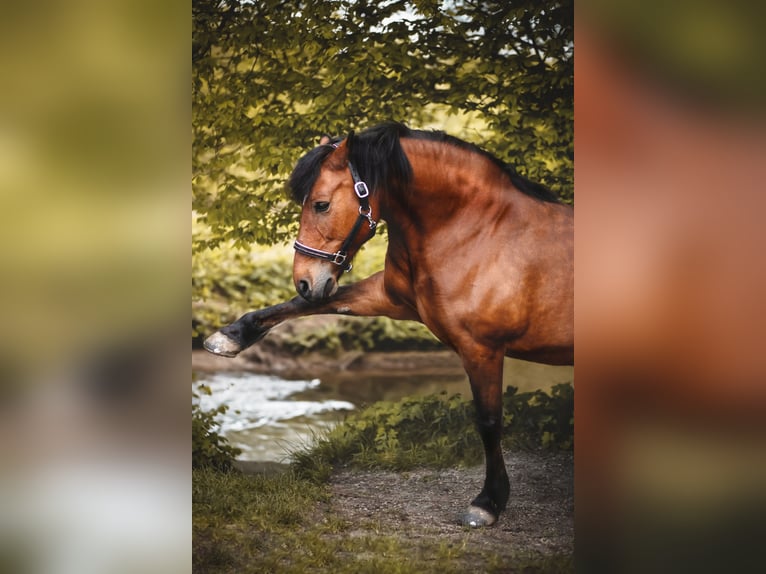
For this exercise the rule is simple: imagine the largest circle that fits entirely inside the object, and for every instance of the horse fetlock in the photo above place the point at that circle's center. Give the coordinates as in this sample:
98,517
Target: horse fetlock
500,497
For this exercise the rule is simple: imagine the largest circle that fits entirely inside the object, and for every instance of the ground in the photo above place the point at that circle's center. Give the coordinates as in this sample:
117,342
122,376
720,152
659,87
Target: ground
421,508
426,504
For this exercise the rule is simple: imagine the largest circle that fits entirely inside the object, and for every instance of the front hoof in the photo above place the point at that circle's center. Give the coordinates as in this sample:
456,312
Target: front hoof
220,344
476,517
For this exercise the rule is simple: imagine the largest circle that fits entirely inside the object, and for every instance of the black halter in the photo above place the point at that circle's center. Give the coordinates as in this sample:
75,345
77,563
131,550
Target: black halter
365,214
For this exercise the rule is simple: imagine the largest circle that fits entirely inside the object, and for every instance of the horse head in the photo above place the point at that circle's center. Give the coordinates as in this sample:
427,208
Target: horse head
336,218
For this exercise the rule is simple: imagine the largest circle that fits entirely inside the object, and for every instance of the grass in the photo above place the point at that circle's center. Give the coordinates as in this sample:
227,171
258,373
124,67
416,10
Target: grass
253,524
280,524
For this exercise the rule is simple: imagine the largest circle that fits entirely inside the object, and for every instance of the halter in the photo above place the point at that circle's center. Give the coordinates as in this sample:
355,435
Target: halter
365,214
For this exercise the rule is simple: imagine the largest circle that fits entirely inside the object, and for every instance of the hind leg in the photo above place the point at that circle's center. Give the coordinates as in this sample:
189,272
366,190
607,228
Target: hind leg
485,371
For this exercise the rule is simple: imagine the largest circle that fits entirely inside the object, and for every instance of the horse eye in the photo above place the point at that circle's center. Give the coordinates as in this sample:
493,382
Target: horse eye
321,206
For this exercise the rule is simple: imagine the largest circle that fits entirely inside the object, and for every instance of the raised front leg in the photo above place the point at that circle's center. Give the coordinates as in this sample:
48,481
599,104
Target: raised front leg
485,371
251,327
367,298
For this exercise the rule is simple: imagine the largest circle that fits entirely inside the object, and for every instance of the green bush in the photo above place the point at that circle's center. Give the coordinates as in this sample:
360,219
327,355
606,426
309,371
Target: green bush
437,431
209,448
362,334
538,419
228,283
384,334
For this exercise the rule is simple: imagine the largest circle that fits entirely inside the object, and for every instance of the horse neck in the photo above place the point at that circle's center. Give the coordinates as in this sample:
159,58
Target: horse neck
447,183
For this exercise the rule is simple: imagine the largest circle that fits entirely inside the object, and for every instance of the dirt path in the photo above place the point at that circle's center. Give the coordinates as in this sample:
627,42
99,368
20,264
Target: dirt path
424,505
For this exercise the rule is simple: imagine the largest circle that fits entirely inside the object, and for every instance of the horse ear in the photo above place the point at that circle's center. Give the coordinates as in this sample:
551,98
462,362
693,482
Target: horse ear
344,148
339,158
325,139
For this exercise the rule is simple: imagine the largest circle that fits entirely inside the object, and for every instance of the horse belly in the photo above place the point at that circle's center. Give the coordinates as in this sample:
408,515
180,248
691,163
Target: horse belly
543,334
546,356
530,324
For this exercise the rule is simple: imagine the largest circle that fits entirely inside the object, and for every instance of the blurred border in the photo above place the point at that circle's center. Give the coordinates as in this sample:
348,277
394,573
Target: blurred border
670,283
94,222
94,164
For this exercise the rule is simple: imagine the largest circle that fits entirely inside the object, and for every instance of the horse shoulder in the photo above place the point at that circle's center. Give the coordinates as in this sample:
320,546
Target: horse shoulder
398,288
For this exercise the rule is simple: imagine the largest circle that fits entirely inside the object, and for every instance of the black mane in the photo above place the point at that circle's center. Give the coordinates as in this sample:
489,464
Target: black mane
380,160
306,172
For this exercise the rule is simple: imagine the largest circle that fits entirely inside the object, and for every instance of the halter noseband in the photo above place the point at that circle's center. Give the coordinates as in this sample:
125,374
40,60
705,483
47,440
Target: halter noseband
365,214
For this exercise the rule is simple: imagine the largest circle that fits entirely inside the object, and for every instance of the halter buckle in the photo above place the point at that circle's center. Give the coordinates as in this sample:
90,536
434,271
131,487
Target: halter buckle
361,189
339,257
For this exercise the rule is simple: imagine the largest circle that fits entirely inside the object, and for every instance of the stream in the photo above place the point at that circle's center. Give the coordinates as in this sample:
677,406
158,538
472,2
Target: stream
268,416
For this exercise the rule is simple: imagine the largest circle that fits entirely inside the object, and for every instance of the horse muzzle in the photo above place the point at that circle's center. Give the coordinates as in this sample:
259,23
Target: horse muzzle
317,292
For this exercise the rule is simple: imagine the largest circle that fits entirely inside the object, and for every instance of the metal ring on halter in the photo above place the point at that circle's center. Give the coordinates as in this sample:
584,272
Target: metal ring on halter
368,215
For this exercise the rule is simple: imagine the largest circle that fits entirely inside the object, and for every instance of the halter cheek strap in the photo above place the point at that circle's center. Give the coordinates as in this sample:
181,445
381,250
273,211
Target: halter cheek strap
365,215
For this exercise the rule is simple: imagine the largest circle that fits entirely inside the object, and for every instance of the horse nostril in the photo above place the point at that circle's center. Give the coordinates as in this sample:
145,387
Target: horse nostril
328,287
304,288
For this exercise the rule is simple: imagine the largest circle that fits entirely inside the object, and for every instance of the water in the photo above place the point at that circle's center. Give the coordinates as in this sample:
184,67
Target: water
265,416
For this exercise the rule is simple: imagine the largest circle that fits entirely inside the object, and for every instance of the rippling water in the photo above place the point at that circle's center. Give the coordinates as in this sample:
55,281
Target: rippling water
265,418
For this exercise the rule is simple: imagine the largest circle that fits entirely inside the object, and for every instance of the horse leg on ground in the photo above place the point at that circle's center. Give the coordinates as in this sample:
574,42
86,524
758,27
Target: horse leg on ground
485,372
366,298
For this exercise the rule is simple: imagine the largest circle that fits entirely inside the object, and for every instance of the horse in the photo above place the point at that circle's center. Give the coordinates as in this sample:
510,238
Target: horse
479,254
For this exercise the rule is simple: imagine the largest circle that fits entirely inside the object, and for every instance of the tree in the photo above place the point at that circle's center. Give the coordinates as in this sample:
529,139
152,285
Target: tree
270,76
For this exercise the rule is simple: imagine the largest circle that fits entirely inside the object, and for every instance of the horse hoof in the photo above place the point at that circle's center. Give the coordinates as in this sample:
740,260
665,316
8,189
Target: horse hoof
220,344
476,517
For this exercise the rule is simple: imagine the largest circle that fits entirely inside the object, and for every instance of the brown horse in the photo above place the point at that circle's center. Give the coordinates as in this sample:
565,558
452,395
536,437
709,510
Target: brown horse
480,255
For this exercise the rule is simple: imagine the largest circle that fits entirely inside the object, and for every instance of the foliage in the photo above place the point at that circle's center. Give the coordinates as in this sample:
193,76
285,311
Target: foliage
437,431
269,77
539,419
228,283
209,448
363,334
